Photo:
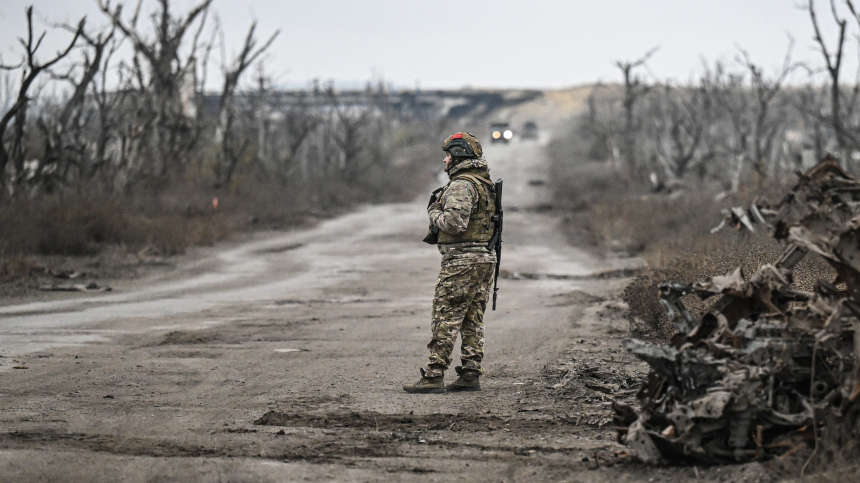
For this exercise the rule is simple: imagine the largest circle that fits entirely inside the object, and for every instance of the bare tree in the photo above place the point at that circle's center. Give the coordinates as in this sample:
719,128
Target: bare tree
809,103
173,134
31,68
727,120
106,103
846,136
598,131
634,89
349,135
65,137
679,128
296,124
766,126
232,148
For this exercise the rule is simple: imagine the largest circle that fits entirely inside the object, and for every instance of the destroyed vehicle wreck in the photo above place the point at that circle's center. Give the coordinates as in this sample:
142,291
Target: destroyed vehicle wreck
767,371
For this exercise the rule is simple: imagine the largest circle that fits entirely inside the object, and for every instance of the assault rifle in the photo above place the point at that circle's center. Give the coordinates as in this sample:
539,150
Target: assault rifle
496,241
435,195
432,236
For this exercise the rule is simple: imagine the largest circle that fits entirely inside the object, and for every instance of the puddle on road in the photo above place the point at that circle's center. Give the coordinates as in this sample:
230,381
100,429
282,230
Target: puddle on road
289,350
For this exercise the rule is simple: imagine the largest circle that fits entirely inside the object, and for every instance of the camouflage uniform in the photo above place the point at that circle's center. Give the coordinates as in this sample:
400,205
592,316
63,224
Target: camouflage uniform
467,270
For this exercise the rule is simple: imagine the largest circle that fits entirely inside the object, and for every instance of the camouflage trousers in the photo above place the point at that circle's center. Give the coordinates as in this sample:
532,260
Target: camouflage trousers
458,306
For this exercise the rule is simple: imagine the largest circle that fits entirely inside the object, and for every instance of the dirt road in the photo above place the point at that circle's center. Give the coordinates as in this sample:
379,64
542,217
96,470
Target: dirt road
310,334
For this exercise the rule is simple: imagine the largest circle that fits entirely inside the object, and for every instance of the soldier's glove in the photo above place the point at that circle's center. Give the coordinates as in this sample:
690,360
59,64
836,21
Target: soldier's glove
434,206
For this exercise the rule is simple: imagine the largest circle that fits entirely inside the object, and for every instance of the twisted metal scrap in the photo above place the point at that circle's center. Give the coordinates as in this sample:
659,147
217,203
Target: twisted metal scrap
757,376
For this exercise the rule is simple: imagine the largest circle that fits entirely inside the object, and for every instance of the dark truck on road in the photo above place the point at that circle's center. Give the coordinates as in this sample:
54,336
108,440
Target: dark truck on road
530,131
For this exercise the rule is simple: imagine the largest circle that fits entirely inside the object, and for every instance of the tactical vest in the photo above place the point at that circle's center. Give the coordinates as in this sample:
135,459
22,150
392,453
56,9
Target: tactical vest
481,225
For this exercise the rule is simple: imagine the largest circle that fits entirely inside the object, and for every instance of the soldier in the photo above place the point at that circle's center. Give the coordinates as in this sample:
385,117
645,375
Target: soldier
461,217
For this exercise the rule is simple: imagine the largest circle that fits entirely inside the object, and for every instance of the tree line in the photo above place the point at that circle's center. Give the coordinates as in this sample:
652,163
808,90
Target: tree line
735,123
125,107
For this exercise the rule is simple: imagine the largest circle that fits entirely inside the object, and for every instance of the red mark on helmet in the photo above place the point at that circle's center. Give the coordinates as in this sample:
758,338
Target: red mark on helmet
459,135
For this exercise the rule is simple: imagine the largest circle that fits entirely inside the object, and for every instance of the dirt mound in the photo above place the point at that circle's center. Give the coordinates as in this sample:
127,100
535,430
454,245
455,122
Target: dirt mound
768,370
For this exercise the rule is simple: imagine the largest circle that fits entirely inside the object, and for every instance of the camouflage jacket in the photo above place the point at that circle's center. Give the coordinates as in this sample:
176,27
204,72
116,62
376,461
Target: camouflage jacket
451,214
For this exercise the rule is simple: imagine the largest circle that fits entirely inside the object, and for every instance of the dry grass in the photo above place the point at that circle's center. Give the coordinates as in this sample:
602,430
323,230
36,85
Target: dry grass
43,232
672,234
689,260
167,220
670,231
79,224
13,268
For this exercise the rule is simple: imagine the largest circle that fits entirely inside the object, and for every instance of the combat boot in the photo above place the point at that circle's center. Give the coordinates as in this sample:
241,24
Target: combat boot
426,385
468,380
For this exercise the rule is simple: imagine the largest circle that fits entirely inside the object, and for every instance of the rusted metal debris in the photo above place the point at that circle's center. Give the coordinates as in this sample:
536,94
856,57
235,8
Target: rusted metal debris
767,369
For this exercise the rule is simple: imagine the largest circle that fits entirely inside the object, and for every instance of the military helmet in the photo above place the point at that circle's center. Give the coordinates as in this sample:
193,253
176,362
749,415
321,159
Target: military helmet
464,145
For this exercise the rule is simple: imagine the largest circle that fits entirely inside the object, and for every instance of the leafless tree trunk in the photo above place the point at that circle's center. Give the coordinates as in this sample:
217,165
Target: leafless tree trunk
845,136
66,143
297,125
679,128
349,137
766,126
173,131
634,89
106,105
31,68
232,148
728,132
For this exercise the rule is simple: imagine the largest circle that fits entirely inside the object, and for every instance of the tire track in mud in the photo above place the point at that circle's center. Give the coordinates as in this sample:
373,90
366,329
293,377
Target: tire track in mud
366,420
357,442
103,443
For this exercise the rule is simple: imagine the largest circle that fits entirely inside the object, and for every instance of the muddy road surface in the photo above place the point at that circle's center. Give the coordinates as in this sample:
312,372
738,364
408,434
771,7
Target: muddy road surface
281,358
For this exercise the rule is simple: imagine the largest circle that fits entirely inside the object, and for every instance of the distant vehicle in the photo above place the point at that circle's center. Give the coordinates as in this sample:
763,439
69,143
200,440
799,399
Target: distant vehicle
500,132
530,131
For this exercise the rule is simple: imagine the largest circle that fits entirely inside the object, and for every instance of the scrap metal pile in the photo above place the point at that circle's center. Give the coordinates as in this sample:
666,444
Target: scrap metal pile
767,370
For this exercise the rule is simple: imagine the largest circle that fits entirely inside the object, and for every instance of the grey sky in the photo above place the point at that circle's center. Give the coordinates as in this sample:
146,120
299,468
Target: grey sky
486,43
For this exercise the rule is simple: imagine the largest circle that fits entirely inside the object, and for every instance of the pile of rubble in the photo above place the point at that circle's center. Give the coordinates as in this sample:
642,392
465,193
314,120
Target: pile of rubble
767,370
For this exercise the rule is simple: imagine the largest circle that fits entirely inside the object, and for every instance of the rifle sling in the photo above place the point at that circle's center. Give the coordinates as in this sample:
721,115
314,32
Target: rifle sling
475,178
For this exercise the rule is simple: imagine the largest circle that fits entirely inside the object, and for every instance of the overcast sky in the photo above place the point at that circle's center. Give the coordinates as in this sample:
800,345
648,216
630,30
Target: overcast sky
483,43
